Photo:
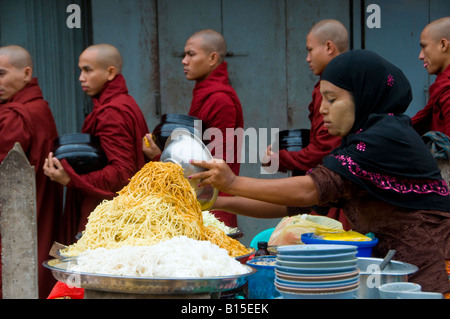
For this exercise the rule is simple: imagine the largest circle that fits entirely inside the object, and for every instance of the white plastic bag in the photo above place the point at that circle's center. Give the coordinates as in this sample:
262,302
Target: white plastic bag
290,229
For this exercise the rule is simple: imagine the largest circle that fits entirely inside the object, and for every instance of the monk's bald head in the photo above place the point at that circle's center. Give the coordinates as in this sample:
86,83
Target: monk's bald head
99,64
331,30
212,41
15,71
17,56
435,46
439,29
107,56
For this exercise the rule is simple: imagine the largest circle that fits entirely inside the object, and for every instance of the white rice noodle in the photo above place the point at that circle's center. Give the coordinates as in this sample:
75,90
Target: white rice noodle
180,257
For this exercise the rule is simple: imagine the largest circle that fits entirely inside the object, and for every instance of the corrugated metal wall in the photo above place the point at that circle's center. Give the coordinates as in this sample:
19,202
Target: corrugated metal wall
398,39
40,27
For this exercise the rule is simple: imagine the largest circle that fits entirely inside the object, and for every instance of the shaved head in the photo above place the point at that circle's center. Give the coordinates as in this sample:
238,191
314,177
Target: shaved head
439,29
212,41
331,30
15,71
18,57
107,55
99,64
435,44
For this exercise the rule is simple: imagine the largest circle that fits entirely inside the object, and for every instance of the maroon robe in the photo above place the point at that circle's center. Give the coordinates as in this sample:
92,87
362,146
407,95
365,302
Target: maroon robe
435,116
216,103
26,118
120,125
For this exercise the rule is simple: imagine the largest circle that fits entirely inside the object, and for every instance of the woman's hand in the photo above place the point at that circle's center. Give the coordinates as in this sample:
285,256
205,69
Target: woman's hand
149,147
55,171
218,174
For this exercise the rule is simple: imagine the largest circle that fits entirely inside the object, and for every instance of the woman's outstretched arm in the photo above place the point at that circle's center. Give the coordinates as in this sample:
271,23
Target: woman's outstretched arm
300,191
249,207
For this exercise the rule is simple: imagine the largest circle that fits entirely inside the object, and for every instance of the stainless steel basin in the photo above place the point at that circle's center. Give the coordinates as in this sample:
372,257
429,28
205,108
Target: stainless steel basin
371,278
183,146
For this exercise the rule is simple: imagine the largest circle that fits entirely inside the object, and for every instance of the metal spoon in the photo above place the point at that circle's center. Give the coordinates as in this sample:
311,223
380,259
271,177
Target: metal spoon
387,259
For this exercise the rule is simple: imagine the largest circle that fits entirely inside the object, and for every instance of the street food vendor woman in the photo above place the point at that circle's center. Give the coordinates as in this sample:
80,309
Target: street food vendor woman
382,174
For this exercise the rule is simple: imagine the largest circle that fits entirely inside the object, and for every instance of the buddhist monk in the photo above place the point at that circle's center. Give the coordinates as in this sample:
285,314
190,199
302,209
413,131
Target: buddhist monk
214,101
324,41
118,122
25,117
435,54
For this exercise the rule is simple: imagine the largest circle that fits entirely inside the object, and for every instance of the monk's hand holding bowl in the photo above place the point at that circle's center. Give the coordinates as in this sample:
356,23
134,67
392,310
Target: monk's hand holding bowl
149,147
218,174
55,171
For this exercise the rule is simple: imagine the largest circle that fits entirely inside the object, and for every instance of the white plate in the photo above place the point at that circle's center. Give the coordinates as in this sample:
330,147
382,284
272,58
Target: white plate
301,258
315,271
320,264
315,250
318,290
324,277
348,294
316,284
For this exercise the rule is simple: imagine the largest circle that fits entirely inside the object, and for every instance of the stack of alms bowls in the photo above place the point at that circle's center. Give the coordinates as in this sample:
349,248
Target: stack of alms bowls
317,271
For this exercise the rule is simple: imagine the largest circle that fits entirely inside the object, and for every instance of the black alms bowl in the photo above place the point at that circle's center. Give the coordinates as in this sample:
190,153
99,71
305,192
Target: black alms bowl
170,122
293,140
82,151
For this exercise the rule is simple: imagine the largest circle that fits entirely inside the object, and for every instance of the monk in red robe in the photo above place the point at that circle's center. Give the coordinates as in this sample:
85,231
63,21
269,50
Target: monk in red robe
118,122
435,54
26,118
214,102
325,40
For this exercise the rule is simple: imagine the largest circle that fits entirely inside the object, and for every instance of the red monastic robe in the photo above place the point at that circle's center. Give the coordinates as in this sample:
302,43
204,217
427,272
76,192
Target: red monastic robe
216,103
120,125
435,116
26,118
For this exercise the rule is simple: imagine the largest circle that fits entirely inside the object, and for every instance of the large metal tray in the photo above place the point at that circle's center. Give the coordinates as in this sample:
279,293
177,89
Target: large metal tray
140,285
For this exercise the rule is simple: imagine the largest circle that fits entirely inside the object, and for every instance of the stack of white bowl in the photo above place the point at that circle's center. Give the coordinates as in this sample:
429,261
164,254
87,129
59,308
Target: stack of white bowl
317,271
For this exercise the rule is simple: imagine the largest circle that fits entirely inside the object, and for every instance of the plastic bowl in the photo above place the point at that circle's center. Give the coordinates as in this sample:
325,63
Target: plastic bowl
406,290
364,248
292,140
261,285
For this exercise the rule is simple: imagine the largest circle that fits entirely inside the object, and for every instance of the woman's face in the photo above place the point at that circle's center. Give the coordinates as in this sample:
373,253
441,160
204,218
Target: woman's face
337,108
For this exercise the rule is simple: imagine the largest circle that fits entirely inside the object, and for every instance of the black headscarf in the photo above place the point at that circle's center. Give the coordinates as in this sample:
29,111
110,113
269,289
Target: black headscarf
383,154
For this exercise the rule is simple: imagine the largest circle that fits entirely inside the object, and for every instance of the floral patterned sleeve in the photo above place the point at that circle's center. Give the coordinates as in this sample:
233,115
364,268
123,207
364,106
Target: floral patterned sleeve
332,187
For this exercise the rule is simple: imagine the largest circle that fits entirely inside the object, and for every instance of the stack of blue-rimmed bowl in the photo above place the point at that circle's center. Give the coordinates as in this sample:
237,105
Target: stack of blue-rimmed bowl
317,271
